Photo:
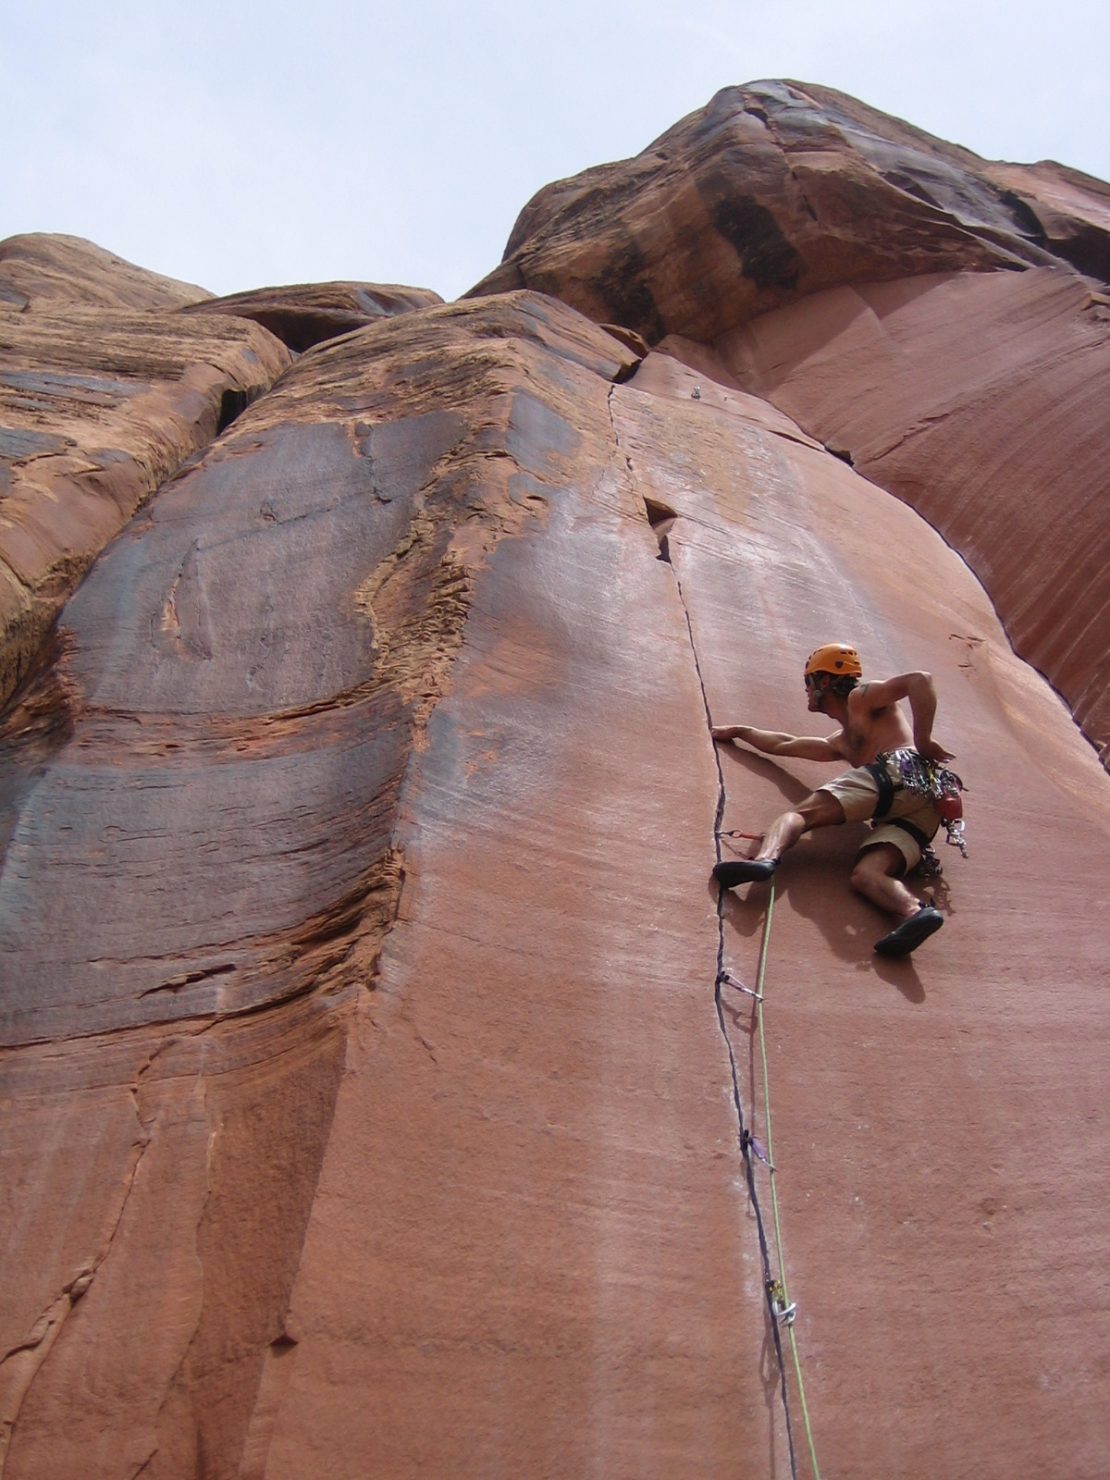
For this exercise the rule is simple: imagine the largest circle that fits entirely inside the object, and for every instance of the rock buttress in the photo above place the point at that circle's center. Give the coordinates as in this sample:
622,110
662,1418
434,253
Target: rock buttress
40,270
219,784
776,190
99,405
804,234
531,1251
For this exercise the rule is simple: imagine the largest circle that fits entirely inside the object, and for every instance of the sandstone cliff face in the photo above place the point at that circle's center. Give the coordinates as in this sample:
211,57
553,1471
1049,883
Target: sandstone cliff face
104,392
980,400
368,1107
39,271
776,190
955,400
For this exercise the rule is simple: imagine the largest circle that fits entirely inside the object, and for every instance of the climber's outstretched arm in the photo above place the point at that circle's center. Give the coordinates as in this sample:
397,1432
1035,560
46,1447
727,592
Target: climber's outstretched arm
771,742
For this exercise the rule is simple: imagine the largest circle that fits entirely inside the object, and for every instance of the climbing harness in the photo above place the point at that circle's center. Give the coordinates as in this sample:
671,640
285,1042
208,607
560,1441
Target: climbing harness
782,1309
906,769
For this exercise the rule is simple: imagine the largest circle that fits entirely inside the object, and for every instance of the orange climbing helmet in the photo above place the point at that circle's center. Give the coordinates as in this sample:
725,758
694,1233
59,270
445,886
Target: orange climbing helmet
835,658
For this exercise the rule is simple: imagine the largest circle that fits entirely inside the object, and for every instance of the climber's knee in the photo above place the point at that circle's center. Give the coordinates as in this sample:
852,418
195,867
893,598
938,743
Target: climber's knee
820,809
883,861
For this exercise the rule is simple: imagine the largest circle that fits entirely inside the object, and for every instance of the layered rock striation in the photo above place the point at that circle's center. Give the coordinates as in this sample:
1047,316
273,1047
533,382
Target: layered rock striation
44,271
105,391
371,1100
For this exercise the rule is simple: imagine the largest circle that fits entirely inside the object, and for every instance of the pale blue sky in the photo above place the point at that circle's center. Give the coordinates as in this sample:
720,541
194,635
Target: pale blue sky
243,144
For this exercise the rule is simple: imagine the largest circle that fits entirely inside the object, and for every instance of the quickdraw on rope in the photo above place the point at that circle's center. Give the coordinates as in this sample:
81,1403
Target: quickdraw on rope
782,1309
754,837
727,979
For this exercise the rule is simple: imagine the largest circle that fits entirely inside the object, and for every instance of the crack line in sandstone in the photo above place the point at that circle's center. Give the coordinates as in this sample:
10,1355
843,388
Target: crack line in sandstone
743,1140
171,1389
52,1321
734,1074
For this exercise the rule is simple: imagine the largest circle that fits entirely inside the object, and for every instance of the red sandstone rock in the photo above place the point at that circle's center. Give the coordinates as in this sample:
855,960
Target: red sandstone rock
777,190
40,270
97,408
419,1153
309,313
980,400
1067,210
366,1107
981,393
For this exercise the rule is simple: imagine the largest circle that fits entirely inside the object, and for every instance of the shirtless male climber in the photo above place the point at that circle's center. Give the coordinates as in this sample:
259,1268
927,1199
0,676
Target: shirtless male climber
876,739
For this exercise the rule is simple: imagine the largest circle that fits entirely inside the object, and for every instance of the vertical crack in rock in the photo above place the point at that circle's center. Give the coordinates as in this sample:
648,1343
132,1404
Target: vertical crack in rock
185,612
22,1365
662,520
175,1387
734,1073
243,1260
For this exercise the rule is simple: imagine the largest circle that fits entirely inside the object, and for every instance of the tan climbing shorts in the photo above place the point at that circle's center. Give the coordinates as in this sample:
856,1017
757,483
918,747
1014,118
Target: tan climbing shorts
857,791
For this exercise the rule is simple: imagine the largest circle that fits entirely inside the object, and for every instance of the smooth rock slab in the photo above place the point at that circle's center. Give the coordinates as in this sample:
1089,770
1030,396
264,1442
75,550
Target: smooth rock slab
980,400
915,1209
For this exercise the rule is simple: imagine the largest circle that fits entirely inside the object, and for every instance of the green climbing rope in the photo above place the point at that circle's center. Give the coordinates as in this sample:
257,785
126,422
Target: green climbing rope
759,1004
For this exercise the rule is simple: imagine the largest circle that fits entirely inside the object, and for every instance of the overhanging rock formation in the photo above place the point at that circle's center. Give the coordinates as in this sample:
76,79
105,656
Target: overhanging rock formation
922,346
368,1104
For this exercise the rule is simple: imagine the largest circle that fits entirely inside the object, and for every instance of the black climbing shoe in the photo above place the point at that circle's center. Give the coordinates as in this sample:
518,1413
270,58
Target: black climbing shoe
907,936
744,871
